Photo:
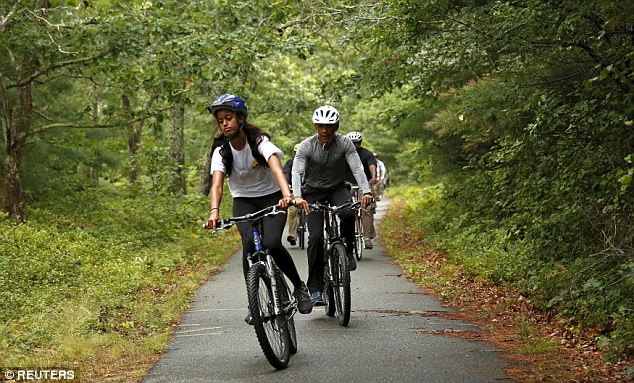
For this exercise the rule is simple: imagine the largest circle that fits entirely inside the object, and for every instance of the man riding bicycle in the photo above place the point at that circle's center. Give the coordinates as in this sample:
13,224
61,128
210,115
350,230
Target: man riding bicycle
370,168
319,175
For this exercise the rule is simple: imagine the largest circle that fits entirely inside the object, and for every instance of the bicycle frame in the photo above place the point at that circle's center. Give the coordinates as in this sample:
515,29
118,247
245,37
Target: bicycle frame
301,228
359,233
331,222
260,255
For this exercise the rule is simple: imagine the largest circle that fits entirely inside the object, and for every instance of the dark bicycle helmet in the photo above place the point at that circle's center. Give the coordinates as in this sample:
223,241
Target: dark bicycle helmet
228,101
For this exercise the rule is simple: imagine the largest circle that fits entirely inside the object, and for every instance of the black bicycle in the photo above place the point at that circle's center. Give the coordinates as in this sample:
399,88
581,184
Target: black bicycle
301,229
271,303
336,293
358,225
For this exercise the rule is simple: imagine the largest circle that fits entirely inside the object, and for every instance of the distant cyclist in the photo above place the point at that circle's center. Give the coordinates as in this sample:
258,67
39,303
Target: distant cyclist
369,167
245,155
381,173
293,215
319,175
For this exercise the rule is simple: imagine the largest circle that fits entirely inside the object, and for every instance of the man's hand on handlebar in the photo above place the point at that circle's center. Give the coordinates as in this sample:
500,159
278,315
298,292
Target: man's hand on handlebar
366,200
301,203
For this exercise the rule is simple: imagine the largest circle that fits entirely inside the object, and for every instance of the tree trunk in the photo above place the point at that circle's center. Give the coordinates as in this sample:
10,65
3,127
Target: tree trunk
176,150
135,132
94,168
134,140
11,197
204,180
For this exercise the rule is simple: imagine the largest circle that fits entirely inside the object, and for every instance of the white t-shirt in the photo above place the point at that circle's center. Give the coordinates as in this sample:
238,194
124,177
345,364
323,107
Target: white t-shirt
247,180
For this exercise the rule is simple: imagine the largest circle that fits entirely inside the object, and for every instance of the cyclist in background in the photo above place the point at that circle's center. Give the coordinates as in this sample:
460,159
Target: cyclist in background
369,167
381,172
245,155
293,214
319,175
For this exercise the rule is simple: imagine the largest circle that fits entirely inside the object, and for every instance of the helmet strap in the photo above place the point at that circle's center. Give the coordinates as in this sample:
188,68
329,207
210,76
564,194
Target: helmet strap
229,139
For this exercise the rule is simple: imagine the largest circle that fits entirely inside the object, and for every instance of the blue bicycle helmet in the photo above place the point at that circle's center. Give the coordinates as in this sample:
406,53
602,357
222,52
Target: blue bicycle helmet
228,101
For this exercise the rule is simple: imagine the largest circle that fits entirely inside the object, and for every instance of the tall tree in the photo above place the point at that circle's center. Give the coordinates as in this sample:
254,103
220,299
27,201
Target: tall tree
39,42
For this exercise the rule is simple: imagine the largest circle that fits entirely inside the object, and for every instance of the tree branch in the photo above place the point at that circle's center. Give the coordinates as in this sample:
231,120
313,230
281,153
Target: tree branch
49,68
73,125
5,19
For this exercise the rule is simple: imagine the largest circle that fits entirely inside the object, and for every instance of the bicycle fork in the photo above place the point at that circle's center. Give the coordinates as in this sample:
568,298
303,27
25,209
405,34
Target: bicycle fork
331,277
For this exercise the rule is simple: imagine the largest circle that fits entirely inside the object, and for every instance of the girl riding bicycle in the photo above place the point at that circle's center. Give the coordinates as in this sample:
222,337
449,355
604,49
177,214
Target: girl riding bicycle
245,155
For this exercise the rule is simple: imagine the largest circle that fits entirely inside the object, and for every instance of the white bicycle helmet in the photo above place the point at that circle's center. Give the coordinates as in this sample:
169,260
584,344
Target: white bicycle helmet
326,115
355,137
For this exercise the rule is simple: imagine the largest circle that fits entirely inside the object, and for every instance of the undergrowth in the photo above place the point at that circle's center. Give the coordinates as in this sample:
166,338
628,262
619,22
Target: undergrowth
95,280
580,288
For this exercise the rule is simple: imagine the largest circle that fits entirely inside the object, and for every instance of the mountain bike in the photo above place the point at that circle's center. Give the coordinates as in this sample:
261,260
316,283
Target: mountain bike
358,225
271,303
336,293
301,229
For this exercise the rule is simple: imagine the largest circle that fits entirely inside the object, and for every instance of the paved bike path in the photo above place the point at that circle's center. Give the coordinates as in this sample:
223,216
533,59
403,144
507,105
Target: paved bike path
392,335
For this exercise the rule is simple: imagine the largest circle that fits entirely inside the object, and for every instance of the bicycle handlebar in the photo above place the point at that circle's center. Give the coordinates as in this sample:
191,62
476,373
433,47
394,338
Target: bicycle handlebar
226,223
324,207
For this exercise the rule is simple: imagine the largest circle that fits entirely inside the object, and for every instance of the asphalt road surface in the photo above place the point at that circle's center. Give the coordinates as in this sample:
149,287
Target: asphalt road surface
392,336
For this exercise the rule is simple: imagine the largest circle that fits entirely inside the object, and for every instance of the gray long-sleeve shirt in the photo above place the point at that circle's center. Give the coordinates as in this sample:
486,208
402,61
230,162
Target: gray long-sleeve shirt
325,168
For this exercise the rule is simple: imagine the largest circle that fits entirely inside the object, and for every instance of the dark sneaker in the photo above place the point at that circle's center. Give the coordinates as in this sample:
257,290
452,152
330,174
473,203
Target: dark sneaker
291,240
352,263
249,319
304,303
317,299
368,243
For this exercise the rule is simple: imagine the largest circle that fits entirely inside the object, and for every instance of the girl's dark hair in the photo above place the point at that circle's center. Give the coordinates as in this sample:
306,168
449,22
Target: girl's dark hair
254,137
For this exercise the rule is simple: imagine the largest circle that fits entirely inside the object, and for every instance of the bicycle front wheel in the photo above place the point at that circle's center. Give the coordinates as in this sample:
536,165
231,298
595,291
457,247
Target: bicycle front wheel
358,238
271,329
341,288
301,229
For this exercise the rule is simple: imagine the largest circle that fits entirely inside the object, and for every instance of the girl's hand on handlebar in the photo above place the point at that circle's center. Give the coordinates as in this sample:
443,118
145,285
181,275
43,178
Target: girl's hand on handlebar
211,221
285,202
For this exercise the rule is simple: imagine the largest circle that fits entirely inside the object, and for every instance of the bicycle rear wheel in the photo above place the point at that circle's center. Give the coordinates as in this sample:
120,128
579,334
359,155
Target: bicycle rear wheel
341,288
358,238
271,329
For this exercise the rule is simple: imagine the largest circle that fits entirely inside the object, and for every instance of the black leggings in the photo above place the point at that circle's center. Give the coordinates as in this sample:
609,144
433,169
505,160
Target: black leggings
272,229
315,221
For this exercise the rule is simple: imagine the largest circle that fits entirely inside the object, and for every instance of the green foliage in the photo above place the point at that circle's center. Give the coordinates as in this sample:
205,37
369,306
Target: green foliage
537,203
531,139
115,257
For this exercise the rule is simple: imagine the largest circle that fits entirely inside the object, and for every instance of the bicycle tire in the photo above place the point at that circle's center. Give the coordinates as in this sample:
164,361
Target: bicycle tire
288,308
328,293
271,329
341,273
301,230
358,238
